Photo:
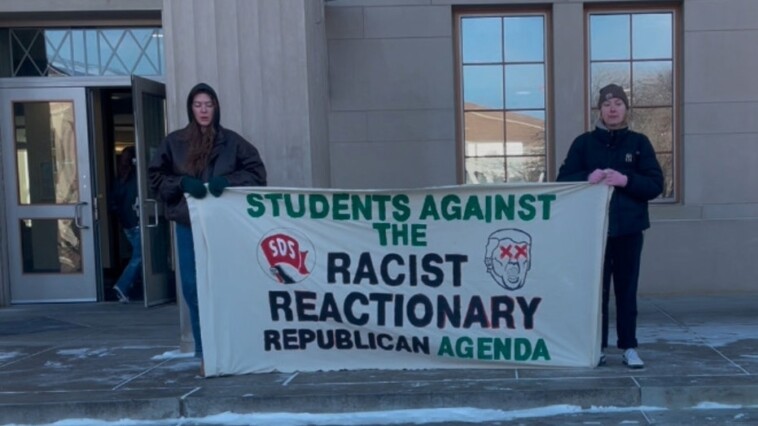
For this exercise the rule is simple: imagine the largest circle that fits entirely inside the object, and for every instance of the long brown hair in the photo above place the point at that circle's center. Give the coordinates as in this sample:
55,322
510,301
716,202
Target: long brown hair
200,142
200,146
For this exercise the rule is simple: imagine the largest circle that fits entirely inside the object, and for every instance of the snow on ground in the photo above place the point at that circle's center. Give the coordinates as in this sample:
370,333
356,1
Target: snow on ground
83,353
175,354
53,364
716,335
419,416
5,356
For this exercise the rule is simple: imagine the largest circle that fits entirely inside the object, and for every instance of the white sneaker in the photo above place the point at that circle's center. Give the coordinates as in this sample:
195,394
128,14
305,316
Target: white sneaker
120,294
601,362
632,359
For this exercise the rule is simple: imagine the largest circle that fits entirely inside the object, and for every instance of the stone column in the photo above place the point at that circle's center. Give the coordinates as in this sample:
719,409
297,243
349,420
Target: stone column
267,61
568,77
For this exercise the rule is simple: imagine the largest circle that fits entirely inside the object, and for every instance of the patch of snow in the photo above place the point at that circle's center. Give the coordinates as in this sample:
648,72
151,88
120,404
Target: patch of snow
418,416
707,405
4,356
141,347
82,353
173,355
716,335
182,366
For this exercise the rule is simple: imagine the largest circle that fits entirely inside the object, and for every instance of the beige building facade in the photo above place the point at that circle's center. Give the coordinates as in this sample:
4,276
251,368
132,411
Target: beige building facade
371,94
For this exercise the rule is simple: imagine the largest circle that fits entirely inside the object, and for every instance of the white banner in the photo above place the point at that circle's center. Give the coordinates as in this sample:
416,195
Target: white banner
447,277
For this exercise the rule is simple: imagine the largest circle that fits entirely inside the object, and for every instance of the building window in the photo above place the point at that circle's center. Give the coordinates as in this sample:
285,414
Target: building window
502,69
36,52
637,50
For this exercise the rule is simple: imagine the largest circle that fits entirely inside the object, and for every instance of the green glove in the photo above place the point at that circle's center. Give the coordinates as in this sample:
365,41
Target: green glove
217,184
193,186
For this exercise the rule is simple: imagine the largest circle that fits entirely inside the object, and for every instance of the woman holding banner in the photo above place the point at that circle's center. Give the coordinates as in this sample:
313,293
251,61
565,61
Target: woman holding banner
613,155
203,153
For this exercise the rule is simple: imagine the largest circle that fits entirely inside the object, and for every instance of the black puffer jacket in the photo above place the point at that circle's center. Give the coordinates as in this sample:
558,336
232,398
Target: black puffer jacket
232,157
627,152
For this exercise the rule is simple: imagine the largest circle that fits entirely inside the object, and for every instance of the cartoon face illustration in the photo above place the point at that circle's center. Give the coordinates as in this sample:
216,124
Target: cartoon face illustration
508,257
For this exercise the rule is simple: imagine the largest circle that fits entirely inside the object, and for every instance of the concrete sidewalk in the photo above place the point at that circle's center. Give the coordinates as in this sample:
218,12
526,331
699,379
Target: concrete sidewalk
103,361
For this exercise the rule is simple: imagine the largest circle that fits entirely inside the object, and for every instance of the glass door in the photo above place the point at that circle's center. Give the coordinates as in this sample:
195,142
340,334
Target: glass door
45,150
149,99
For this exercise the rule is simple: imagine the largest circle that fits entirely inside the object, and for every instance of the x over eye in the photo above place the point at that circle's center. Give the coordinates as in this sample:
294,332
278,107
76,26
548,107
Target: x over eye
505,251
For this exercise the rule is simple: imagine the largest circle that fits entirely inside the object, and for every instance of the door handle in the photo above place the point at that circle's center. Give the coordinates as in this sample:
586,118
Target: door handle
78,215
96,208
155,212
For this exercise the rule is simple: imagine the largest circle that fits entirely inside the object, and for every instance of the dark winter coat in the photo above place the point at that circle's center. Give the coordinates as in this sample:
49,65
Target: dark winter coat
232,157
627,152
123,200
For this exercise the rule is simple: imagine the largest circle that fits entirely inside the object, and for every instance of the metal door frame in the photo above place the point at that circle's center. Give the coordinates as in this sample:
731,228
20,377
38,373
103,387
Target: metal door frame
157,265
43,287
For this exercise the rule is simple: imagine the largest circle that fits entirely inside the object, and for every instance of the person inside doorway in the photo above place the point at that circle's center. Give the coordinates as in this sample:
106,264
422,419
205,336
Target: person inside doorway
124,203
613,155
203,157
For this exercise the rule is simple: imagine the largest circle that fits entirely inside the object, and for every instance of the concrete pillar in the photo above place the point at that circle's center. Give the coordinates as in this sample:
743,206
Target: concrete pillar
568,67
267,61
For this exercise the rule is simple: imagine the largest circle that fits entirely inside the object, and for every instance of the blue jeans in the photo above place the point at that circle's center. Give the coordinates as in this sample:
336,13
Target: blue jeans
186,252
134,268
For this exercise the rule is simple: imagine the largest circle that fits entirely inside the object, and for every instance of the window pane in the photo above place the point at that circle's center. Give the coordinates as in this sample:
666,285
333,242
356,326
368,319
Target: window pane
484,127
667,164
526,169
484,149
524,39
58,44
79,66
129,51
636,51
524,86
481,40
609,37
46,153
483,86
656,124
594,116
504,102
485,170
91,50
149,63
70,52
525,134
50,246
142,36
604,73
28,53
111,63
653,83
652,36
